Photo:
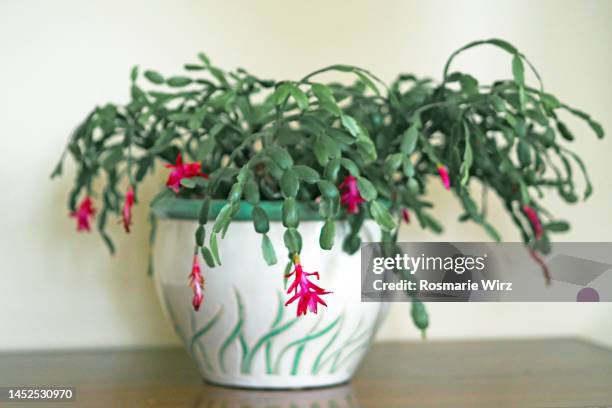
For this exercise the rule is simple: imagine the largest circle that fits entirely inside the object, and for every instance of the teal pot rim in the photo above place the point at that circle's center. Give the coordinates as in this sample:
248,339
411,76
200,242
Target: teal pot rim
189,209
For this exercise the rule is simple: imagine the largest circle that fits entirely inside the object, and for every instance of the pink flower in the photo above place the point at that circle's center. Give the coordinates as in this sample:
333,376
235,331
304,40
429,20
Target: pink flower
405,215
350,198
443,172
182,170
196,282
84,214
308,293
536,224
127,209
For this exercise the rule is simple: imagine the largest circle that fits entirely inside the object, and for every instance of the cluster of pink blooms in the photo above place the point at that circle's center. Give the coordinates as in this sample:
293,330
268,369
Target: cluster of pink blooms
304,291
196,282
443,172
181,171
127,209
350,198
84,214
405,215
534,220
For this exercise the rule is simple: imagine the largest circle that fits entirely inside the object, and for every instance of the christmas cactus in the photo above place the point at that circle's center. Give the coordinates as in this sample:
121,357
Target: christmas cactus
351,151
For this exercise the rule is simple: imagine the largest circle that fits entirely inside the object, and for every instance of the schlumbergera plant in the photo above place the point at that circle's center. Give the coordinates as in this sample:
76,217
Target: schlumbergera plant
356,151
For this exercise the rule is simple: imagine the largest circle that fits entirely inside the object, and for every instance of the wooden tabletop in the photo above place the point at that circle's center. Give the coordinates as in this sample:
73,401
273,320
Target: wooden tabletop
528,373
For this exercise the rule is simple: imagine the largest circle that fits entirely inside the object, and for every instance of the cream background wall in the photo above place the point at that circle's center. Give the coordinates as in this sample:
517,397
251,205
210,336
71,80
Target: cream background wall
58,59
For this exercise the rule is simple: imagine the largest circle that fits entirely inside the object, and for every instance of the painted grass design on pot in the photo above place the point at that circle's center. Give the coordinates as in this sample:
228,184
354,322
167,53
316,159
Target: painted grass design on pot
316,366
198,334
300,349
305,339
338,358
197,344
179,330
276,329
182,335
361,346
236,333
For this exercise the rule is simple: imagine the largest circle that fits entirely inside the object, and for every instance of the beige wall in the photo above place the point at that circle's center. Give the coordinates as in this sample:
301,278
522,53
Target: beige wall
59,58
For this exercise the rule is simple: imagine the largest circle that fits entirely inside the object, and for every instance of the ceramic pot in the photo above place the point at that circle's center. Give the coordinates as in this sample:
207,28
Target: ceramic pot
243,335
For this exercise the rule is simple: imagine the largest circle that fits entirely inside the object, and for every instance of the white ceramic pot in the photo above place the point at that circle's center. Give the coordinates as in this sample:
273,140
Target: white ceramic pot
243,335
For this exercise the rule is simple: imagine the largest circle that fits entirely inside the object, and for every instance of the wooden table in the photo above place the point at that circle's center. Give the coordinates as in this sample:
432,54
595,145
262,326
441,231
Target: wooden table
528,373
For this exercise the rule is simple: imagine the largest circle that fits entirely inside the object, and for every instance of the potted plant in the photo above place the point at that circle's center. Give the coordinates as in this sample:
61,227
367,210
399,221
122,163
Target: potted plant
309,169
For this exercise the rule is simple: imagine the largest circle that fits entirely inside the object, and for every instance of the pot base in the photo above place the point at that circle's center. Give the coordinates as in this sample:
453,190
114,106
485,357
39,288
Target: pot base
275,385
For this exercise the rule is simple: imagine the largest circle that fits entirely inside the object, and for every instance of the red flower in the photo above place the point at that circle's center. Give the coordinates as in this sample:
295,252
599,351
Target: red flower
127,209
84,214
536,224
350,198
196,282
405,215
443,172
308,293
182,170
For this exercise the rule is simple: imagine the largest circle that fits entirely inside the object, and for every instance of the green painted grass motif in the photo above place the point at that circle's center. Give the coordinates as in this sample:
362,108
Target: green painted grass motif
301,341
325,361
300,350
276,329
198,334
235,334
335,357
317,363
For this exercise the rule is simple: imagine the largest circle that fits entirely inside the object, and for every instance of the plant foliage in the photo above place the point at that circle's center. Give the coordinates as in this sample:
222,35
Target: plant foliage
296,141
